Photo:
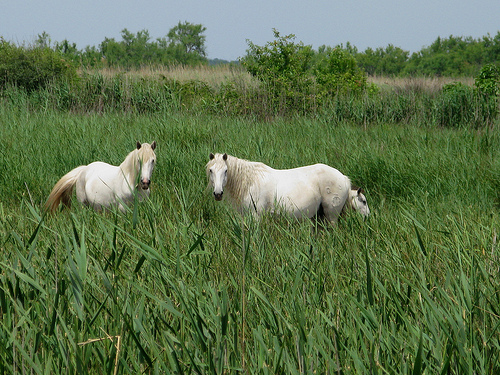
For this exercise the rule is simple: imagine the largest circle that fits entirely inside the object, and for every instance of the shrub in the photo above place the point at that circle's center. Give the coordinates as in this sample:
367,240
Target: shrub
283,66
280,61
337,71
299,78
488,80
32,68
487,84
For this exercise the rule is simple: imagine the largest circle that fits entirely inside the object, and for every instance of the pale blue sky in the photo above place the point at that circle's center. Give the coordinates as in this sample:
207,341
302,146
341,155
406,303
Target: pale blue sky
410,24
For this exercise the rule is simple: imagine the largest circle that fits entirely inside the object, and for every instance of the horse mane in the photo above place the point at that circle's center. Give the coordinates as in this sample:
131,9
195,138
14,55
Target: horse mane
241,175
129,165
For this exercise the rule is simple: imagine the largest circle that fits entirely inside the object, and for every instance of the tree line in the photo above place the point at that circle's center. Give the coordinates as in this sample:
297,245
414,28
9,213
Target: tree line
454,56
451,57
185,45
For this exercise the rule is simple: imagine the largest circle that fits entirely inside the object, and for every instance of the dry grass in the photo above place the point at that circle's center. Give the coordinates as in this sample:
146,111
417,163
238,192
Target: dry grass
417,84
218,75
214,76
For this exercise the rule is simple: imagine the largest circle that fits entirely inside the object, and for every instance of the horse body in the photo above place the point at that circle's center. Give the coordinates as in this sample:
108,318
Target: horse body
300,192
101,185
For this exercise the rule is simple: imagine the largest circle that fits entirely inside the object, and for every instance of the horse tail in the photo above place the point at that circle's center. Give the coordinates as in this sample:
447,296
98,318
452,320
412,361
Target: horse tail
62,190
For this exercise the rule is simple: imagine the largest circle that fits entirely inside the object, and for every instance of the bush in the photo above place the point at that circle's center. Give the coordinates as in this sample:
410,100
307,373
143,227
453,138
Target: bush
281,61
283,66
337,71
488,80
297,77
32,68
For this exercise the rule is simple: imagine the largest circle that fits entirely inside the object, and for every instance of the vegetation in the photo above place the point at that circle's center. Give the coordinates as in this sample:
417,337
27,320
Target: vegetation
184,284
185,44
187,285
32,69
295,74
290,79
236,93
450,57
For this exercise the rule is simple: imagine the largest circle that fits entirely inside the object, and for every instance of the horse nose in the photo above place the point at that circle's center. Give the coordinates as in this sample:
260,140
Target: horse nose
218,196
367,212
145,183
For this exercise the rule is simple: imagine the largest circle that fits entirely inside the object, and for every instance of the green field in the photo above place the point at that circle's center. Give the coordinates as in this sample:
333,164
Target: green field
183,284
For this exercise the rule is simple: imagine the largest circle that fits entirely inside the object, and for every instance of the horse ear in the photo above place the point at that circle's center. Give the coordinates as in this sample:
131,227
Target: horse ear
360,191
153,145
138,145
212,156
224,156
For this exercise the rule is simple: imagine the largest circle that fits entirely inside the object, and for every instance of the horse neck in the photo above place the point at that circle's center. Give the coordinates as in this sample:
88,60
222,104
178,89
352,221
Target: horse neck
350,198
241,176
129,168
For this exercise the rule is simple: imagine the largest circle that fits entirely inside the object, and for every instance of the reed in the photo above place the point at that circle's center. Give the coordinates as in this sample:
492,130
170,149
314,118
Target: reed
190,286
228,90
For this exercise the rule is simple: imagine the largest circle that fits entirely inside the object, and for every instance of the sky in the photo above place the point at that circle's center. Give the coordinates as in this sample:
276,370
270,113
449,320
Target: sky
408,24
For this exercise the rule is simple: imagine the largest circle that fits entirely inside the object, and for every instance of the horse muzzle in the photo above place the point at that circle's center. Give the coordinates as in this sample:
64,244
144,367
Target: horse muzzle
144,184
218,196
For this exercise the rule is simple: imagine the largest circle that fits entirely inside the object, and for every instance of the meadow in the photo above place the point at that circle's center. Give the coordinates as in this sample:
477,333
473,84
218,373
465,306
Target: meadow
184,284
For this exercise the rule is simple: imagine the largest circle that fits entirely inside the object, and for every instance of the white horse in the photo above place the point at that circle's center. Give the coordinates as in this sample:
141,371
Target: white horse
101,185
301,192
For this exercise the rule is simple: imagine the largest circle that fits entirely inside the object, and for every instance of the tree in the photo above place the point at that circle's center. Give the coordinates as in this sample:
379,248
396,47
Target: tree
187,43
283,66
282,60
337,71
43,40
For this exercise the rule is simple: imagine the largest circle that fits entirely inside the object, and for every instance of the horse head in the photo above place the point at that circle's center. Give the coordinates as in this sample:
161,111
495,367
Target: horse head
146,161
217,174
357,201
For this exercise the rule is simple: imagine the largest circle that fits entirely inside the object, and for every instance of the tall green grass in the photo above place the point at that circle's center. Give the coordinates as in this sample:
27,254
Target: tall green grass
223,92
192,287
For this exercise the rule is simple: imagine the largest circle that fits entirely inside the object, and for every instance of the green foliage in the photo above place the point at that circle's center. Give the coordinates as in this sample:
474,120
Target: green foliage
32,68
454,56
195,288
132,51
455,105
296,75
337,71
184,44
187,43
488,80
284,67
450,57
282,60
389,61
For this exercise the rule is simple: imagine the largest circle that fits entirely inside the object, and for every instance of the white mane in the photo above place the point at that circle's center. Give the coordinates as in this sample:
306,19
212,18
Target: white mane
241,175
129,166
